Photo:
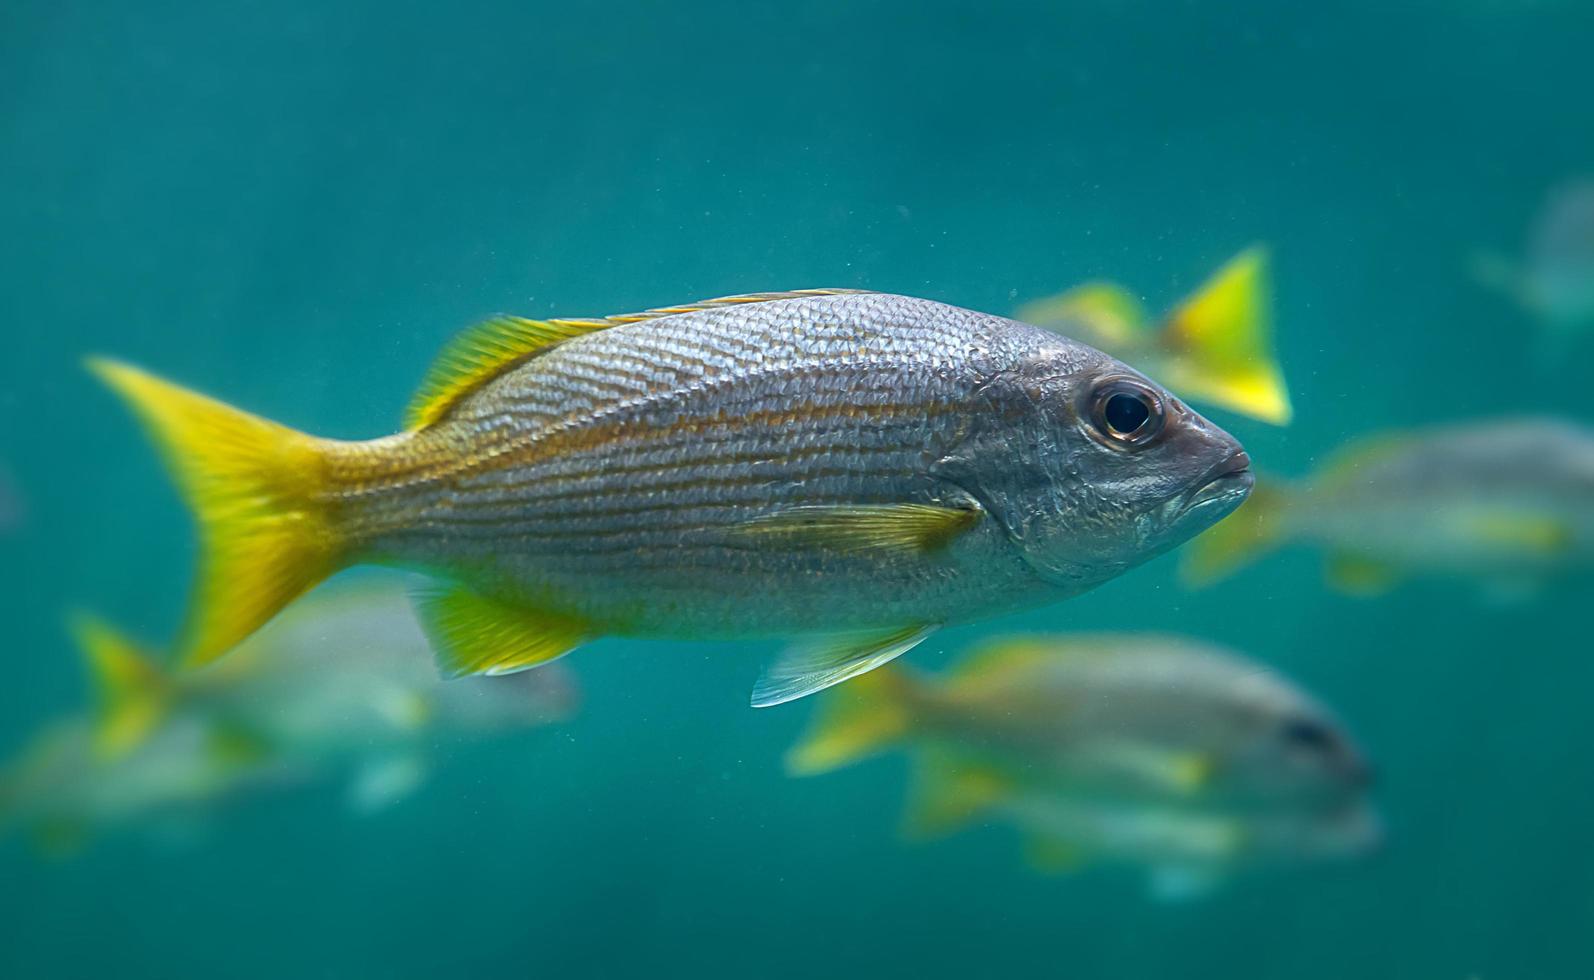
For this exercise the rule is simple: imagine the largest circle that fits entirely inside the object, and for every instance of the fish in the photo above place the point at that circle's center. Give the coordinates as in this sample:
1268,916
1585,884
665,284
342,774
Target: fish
848,470
1507,503
341,687
1554,279
1215,347
1166,754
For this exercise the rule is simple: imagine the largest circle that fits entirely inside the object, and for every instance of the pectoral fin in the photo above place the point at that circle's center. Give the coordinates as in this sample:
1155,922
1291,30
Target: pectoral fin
827,661
473,634
1541,535
888,528
1187,772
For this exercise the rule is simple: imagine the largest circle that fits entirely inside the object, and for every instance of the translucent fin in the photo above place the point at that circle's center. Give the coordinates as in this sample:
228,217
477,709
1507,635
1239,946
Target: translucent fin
134,693
949,794
902,528
1236,541
1219,344
1359,576
1099,313
827,661
854,721
483,352
256,490
472,634
1172,771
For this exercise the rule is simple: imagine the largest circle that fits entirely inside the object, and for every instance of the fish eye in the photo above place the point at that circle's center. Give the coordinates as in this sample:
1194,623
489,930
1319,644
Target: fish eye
1127,413
1307,734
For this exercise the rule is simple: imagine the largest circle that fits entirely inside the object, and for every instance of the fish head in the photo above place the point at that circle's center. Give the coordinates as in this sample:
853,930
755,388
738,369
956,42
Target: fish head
1284,747
1091,467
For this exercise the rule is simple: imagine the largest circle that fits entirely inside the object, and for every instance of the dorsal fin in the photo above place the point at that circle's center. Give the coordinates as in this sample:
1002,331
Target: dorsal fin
483,352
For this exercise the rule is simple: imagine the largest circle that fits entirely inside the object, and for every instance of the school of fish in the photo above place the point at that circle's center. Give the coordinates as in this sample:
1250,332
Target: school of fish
846,471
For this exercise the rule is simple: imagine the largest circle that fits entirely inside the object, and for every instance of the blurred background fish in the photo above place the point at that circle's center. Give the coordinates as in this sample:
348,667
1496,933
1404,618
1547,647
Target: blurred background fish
1215,347
1554,279
1160,752
1508,503
340,687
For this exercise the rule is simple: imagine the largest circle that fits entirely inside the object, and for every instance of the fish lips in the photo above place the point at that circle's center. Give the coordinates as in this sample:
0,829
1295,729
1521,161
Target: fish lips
1219,491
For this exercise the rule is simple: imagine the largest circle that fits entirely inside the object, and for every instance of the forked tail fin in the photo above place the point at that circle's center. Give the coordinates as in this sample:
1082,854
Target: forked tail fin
257,490
133,691
855,720
1220,343
1236,541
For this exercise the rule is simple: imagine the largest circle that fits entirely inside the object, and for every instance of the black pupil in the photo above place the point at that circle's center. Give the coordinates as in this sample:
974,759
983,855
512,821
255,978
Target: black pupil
1127,413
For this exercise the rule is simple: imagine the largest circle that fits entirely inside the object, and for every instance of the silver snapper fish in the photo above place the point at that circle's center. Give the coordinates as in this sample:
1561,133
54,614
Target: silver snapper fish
854,467
1509,503
340,685
1154,751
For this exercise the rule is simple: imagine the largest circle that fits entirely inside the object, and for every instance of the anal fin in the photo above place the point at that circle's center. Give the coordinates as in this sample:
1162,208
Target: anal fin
827,661
473,634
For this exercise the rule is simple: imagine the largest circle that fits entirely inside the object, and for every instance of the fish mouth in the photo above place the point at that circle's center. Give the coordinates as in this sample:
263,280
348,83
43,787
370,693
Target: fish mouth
1226,483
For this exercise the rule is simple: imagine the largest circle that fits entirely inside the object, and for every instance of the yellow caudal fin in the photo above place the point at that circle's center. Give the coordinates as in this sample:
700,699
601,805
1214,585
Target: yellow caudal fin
256,489
1219,343
855,720
132,690
1239,539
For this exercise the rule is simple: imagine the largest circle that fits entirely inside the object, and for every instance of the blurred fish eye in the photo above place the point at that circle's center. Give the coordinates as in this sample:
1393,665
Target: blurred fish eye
1307,734
1127,414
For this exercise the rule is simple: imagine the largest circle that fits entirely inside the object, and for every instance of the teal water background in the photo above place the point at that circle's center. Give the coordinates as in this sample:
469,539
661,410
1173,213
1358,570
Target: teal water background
293,205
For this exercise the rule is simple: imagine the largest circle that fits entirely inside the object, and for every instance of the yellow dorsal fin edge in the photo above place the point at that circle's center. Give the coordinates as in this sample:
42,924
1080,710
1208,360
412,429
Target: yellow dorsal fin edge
488,349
